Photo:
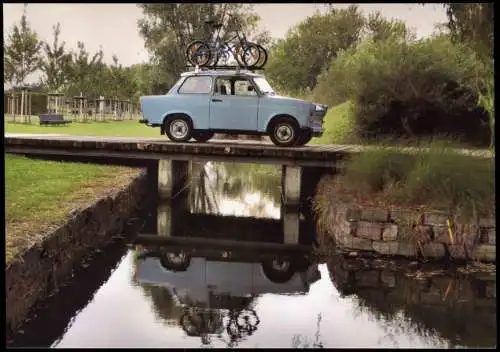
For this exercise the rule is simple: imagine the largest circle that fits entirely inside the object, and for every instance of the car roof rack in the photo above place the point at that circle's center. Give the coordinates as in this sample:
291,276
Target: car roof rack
223,68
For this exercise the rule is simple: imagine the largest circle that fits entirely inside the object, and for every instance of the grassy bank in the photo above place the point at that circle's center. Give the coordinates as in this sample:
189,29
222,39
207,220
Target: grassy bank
129,128
439,179
39,195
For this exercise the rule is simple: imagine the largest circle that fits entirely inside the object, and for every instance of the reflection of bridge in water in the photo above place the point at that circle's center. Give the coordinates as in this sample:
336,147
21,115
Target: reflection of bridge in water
204,201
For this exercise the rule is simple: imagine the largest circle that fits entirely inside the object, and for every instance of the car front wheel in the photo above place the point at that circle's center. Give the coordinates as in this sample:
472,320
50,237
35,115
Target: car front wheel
284,132
179,129
304,138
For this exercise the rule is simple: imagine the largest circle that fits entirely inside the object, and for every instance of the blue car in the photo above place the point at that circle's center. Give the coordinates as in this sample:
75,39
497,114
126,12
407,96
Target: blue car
202,103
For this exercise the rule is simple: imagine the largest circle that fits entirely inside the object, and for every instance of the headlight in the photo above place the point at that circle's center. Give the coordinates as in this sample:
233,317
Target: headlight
318,107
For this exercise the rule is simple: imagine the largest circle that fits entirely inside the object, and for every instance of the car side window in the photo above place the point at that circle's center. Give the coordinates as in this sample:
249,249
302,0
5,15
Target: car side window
243,87
223,86
196,85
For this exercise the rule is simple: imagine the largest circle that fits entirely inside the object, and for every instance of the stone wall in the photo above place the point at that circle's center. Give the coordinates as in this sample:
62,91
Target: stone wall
410,234
39,271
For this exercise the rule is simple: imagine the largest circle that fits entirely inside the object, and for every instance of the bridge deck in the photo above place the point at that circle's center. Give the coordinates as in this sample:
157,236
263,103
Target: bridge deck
160,148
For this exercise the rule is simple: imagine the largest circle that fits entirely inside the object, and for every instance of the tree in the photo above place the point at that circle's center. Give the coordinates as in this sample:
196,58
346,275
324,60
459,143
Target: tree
56,63
21,51
83,71
296,61
168,28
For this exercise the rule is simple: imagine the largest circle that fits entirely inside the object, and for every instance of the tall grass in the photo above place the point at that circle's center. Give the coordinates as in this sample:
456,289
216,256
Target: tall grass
437,177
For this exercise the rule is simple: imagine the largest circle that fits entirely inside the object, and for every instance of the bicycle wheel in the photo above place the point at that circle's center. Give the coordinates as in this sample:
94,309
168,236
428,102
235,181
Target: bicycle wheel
251,55
198,53
262,57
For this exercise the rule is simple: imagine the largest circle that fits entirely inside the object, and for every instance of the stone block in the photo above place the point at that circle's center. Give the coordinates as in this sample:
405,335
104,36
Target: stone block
484,253
435,218
388,278
492,235
370,230
441,235
367,278
423,233
433,250
390,232
386,248
374,214
457,251
353,214
347,227
487,222
407,249
491,290
344,241
405,217
362,244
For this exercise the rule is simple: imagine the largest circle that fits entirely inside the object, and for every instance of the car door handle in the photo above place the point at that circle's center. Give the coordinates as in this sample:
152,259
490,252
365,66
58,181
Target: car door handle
217,100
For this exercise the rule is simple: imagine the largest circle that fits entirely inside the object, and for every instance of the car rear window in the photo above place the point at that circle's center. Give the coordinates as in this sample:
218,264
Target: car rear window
196,85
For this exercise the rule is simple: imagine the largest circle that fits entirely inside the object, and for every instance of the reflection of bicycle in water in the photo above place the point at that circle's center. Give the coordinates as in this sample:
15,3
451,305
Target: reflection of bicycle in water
204,322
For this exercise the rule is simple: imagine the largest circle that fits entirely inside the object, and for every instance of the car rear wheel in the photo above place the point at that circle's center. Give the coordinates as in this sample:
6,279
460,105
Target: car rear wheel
284,132
179,129
203,136
279,270
175,261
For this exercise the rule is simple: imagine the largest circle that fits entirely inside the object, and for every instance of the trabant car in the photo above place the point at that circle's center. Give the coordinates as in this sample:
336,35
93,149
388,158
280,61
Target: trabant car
203,103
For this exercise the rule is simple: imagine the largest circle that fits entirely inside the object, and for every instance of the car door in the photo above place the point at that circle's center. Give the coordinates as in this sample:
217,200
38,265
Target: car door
234,105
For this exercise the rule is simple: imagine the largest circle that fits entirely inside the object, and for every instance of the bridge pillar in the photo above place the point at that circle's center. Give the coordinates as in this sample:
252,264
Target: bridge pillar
290,203
291,225
172,177
290,185
170,212
164,219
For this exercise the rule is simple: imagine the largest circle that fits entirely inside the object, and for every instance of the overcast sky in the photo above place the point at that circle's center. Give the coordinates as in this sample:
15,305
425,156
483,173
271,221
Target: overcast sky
114,26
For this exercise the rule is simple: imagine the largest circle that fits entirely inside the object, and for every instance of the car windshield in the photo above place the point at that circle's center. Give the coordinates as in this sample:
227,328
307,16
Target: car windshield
263,85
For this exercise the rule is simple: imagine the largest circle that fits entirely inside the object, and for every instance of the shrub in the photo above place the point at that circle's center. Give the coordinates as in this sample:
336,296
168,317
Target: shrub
408,89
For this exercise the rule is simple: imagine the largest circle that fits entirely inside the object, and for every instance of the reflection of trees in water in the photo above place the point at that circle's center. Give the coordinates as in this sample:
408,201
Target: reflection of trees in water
213,182
432,307
163,303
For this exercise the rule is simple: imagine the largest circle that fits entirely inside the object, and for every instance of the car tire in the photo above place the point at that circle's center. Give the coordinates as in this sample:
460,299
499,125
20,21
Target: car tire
279,270
284,132
179,128
175,261
304,138
203,136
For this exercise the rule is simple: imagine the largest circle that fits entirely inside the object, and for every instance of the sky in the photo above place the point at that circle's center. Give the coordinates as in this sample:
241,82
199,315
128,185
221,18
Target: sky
114,26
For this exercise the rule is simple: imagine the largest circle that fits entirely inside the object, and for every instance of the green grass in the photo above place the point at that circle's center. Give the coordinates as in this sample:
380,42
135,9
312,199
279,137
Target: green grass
40,194
127,128
338,126
438,178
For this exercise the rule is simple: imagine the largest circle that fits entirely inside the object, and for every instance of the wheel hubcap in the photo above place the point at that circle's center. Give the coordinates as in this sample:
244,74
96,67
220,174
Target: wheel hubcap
280,265
176,258
284,133
179,129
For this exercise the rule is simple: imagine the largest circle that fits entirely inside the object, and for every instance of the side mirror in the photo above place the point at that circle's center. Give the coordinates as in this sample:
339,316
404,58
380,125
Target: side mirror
250,88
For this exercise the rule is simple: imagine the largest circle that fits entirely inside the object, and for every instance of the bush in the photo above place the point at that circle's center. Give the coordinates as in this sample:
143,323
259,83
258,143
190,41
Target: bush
408,89
338,126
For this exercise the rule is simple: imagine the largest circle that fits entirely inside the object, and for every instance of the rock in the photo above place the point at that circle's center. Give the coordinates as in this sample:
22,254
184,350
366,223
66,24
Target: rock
353,214
433,250
369,230
362,244
485,253
405,217
423,233
436,219
386,248
374,214
388,278
407,249
457,251
487,222
390,232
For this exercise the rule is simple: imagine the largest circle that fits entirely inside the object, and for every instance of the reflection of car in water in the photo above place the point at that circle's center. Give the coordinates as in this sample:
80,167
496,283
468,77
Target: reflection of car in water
217,287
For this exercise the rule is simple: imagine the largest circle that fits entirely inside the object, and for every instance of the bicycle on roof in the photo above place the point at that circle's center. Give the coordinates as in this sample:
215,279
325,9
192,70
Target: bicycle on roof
247,54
